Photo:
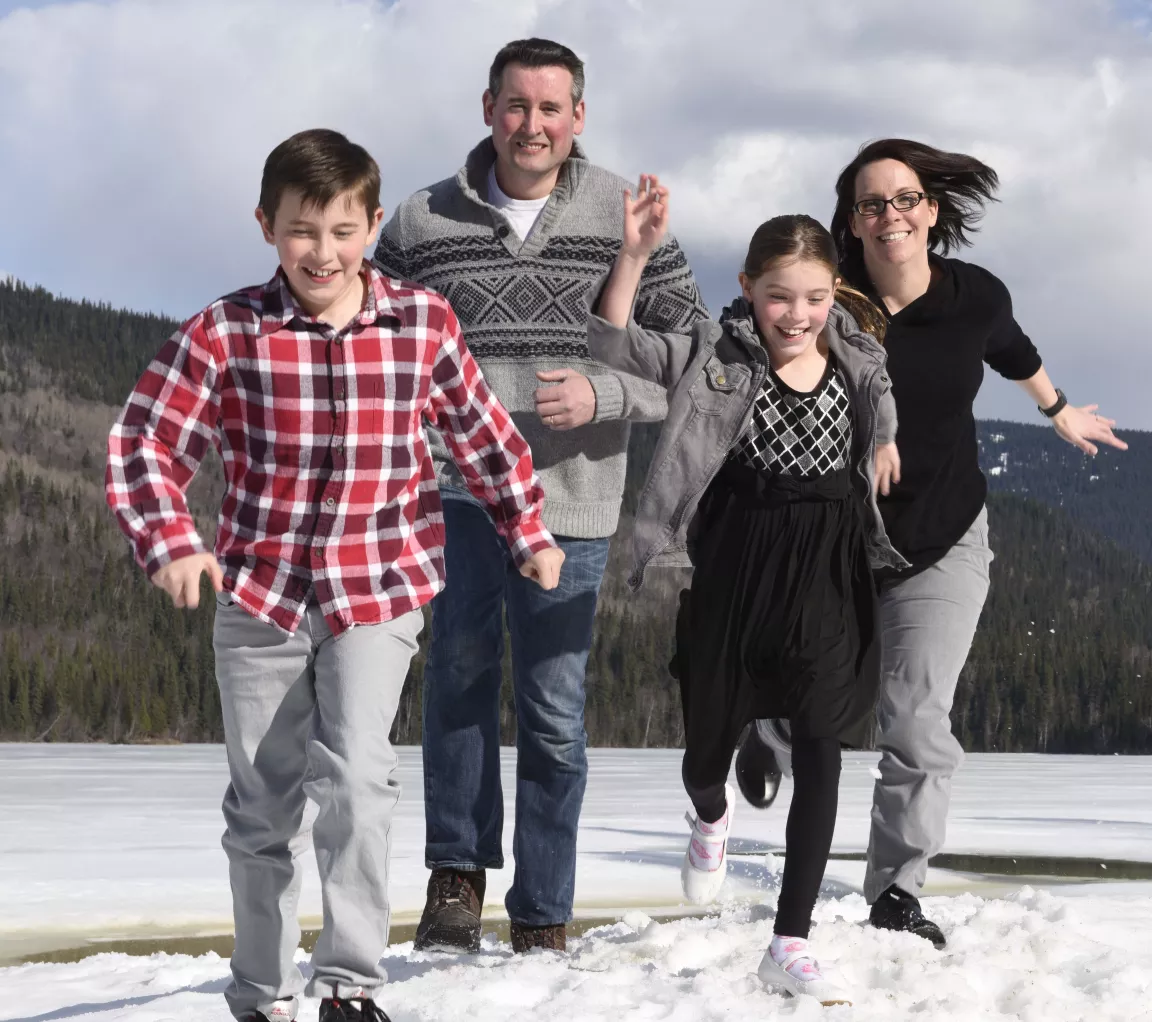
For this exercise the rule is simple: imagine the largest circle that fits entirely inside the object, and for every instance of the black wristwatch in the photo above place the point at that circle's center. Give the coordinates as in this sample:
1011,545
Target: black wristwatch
1058,407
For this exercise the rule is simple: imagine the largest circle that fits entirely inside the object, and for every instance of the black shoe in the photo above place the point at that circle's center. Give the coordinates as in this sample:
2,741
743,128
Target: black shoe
757,772
351,1009
898,910
451,917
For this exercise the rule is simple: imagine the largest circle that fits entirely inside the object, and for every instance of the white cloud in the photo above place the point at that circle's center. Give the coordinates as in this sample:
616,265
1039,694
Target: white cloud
133,134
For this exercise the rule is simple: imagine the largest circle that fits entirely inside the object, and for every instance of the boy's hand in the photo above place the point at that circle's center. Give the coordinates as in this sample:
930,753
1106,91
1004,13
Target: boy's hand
645,218
887,467
544,567
180,578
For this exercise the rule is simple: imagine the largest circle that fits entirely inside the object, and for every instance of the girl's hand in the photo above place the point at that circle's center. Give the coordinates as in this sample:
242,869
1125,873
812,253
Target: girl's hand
544,567
1080,426
645,218
887,467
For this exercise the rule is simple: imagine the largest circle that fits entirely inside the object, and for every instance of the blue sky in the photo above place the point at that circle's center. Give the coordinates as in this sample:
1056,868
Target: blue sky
132,133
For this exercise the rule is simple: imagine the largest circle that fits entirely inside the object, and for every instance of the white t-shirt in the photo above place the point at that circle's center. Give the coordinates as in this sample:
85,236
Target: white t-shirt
522,214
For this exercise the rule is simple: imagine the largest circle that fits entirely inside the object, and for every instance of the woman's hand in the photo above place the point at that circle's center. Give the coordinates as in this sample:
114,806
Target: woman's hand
645,218
887,468
1080,426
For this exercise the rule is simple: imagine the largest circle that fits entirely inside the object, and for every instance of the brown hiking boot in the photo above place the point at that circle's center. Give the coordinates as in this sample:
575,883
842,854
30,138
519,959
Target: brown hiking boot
451,917
551,938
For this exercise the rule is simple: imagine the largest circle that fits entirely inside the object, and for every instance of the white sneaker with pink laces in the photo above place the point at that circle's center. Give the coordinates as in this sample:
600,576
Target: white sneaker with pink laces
706,861
787,963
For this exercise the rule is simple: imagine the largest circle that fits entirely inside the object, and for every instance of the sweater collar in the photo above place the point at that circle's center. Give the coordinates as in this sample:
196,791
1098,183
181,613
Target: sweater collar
472,178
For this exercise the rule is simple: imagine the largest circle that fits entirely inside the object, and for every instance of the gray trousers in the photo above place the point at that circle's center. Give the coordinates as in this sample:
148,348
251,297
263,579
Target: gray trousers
928,622
308,716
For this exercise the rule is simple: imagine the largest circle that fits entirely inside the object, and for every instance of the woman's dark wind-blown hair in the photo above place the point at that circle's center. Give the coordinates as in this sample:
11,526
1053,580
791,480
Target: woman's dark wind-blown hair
961,186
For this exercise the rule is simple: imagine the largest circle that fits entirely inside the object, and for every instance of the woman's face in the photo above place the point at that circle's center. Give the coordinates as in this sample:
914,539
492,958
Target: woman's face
892,237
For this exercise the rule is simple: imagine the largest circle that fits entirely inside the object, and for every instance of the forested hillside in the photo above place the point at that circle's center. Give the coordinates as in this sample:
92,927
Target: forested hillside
89,650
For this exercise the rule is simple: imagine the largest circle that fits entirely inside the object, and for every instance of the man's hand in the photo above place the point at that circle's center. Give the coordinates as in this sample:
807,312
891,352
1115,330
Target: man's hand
1080,426
887,467
180,578
568,402
544,567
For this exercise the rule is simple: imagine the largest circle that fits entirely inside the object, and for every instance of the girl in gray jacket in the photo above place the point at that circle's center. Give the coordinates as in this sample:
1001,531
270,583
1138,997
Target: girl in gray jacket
780,418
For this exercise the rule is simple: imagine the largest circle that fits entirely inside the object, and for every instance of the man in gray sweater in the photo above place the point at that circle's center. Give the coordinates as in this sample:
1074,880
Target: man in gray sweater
515,241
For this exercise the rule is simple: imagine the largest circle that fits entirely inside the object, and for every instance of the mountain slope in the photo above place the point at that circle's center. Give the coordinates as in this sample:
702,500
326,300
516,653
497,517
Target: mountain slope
88,649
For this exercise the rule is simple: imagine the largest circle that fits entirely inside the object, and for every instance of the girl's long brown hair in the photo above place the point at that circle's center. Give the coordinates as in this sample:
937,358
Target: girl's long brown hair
797,236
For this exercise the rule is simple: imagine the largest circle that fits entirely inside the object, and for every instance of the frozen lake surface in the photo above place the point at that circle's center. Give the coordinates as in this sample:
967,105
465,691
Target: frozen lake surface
100,842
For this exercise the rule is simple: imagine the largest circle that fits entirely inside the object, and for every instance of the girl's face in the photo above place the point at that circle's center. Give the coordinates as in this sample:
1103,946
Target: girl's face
791,301
892,237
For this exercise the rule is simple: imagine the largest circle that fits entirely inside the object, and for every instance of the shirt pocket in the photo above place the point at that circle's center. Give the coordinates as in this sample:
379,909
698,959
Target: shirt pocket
714,386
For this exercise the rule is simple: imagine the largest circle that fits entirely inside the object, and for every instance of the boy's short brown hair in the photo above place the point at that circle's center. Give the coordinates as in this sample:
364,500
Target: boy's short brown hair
320,164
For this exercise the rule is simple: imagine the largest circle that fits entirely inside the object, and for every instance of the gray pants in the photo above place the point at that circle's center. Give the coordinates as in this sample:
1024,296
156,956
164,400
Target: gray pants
928,622
308,715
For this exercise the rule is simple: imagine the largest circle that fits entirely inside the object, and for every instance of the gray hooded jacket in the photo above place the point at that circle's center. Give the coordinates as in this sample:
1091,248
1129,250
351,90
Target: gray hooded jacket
713,376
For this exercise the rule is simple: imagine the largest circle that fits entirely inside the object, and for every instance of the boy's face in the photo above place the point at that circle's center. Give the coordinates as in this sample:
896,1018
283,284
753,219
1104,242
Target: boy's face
322,250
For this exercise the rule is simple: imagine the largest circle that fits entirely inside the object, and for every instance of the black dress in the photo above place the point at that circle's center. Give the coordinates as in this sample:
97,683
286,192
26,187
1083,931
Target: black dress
781,617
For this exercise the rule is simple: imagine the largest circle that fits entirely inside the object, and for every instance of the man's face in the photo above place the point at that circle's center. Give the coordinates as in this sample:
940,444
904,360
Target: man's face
533,122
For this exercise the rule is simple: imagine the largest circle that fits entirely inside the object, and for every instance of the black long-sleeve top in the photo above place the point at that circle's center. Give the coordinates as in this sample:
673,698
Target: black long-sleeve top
937,347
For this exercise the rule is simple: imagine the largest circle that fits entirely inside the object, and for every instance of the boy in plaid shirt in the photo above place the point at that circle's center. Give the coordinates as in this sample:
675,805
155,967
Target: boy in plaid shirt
315,388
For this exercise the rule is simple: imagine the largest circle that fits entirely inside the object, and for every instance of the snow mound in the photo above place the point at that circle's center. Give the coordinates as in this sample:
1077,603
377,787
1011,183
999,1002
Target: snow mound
1032,957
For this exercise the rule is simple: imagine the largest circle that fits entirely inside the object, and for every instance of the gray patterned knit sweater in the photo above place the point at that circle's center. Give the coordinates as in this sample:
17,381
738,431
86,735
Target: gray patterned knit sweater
523,308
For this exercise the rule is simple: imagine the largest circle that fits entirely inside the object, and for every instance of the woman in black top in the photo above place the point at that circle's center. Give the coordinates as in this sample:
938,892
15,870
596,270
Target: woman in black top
901,206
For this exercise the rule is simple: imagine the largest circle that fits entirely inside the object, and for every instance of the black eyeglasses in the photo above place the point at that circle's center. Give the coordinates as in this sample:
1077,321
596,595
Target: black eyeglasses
902,203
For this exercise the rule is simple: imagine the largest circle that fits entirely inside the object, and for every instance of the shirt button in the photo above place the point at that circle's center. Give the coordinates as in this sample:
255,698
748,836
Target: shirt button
502,231
330,502
721,380
339,340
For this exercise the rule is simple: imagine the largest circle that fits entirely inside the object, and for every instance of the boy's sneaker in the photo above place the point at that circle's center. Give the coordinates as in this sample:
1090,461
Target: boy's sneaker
896,909
757,772
788,964
451,917
351,1009
706,861
550,938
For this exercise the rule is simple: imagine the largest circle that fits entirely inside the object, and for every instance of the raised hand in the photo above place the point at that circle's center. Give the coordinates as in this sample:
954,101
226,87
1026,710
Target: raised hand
645,217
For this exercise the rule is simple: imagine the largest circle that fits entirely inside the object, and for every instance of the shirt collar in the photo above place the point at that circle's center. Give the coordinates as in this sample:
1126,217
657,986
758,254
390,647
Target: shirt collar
472,178
281,307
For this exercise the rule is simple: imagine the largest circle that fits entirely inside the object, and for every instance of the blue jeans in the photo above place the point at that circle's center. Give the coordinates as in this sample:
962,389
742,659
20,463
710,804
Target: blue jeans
551,634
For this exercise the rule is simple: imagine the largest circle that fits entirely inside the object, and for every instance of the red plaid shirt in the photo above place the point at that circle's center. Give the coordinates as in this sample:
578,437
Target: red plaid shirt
330,490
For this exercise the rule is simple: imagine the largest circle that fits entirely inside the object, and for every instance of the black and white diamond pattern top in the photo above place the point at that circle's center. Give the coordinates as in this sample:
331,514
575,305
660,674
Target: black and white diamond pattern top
794,434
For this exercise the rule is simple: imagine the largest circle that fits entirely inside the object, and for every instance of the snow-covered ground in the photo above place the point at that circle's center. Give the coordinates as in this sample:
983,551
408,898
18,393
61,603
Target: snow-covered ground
103,842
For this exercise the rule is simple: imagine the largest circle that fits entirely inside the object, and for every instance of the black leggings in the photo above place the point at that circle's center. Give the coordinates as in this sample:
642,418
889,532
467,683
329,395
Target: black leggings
811,821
